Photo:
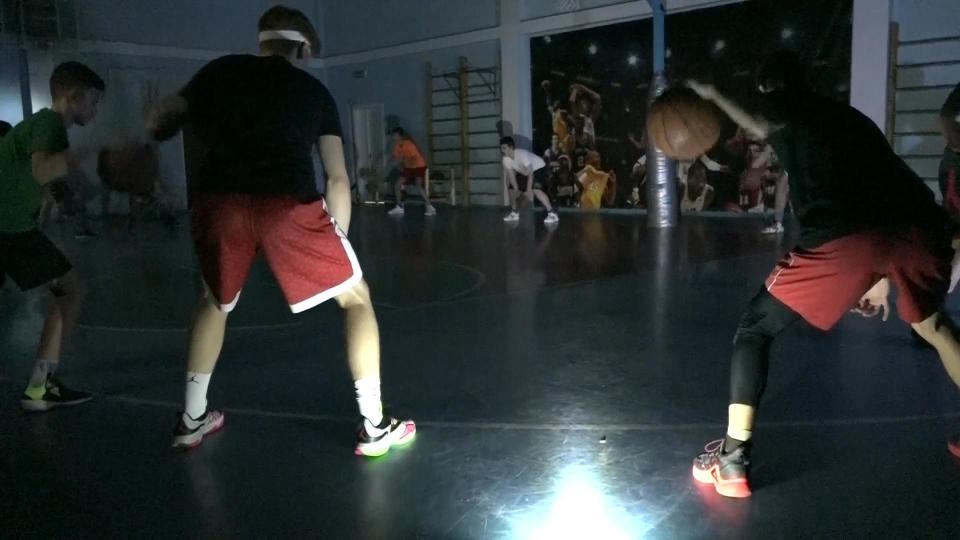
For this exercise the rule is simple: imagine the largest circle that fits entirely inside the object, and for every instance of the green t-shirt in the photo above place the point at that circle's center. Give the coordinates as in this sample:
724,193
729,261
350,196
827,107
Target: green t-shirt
20,194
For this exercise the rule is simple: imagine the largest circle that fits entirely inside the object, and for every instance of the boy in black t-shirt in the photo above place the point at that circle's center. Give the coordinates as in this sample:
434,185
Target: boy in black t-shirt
257,119
865,219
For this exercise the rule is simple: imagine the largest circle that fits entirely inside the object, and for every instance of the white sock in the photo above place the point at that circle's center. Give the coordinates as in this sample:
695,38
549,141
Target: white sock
368,400
739,434
195,396
41,370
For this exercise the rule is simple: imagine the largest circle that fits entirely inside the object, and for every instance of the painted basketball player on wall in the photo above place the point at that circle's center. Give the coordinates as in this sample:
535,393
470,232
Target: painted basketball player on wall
590,87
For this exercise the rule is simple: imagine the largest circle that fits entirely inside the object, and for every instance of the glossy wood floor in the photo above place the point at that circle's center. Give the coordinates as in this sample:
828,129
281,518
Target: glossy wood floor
562,380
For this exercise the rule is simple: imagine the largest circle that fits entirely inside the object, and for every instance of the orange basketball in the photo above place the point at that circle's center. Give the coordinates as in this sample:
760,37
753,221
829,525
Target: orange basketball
131,168
682,124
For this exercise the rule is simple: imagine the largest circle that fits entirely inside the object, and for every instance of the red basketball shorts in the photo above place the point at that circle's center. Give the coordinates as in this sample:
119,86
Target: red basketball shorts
410,176
306,250
824,283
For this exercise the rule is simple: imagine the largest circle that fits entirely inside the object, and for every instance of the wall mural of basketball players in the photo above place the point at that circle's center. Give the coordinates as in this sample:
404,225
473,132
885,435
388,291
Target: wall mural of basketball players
590,89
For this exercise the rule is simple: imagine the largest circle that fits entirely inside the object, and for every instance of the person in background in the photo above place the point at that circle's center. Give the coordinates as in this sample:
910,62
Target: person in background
533,170
586,105
752,178
413,171
594,182
638,174
552,158
69,196
553,154
560,119
697,193
779,183
564,185
583,144
950,161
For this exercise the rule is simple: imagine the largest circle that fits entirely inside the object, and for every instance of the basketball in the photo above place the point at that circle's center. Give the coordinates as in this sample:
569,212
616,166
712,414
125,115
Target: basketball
130,168
682,124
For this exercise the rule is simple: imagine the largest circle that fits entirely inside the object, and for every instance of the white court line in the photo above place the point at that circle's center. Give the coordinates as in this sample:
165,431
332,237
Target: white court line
557,427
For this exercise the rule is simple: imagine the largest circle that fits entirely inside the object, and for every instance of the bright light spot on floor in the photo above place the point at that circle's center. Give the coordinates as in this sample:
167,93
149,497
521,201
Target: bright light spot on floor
578,510
719,45
786,33
633,59
592,49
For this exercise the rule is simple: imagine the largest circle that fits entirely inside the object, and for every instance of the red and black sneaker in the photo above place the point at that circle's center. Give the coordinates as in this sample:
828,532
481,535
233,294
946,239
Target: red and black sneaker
953,445
727,471
390,432
189,432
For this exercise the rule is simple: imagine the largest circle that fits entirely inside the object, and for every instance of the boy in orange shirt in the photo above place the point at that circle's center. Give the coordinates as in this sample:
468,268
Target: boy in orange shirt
413,171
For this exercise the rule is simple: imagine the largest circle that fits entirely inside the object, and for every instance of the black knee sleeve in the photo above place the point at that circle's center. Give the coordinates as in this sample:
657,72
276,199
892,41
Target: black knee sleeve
765,319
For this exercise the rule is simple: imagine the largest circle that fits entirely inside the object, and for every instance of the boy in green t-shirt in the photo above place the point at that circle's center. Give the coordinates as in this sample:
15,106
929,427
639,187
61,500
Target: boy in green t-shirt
34,153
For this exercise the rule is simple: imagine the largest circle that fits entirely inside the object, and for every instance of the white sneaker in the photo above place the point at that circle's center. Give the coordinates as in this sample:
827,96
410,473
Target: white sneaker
394,432
552,217
512,216
776,228
431,211
397,211
190,433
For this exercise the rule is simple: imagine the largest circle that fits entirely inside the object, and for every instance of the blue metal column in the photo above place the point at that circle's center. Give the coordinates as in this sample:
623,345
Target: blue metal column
25,96
663,208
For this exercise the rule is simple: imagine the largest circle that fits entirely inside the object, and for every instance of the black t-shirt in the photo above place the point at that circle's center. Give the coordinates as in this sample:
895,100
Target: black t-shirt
258,120
844,177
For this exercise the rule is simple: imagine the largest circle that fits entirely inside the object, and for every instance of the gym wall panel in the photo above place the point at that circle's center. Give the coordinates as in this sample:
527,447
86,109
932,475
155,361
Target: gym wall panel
218,25
925,19
533,9
400,84
928,66
11,98
362,25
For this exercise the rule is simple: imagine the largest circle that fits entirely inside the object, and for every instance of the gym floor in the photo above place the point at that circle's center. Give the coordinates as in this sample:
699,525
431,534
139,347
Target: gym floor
562,381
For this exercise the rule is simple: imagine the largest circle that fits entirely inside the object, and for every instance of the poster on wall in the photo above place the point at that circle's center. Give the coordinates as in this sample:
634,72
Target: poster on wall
590,90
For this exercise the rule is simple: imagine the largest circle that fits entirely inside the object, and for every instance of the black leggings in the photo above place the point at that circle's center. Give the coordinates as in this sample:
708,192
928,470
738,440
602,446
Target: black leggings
764,320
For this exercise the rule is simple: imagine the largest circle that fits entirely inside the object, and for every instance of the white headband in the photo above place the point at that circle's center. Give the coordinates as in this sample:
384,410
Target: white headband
288,35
